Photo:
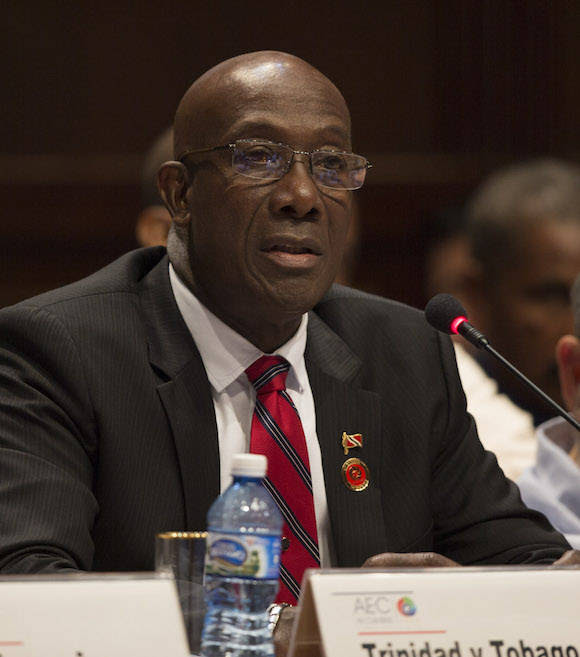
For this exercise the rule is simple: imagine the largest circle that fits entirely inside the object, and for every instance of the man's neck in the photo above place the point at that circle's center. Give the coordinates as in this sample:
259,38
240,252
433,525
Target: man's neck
266,336
260,331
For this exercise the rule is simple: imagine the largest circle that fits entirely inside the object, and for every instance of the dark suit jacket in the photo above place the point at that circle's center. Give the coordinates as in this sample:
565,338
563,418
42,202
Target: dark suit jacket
108,433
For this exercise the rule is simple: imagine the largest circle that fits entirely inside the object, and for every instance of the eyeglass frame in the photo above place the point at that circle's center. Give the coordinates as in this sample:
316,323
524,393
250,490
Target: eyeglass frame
232,145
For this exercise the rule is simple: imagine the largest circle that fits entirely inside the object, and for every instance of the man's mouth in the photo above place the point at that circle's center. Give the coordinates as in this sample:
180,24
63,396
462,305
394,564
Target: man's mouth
288,248
292,253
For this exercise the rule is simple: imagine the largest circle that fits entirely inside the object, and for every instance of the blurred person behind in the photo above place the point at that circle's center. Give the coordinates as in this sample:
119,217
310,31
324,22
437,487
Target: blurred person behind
154,220
447,259
503,428
552,485
523,228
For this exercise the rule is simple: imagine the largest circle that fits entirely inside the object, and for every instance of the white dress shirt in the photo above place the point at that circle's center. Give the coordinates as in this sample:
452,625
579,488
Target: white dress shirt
226,355
503,427
552,485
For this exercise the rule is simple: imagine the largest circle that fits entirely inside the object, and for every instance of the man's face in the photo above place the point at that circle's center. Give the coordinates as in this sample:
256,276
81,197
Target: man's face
265,251
529,309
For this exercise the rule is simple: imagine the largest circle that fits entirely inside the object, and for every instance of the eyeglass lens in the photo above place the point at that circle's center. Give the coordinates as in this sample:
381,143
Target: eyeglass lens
271,161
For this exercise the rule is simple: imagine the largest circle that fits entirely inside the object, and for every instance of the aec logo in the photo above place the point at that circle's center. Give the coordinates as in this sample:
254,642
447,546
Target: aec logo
406,606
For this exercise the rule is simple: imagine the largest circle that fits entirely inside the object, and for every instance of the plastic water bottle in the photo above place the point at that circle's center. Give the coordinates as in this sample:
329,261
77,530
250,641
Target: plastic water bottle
242,564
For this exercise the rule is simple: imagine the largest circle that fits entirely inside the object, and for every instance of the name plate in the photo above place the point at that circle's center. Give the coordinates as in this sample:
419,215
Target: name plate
90,616
444,612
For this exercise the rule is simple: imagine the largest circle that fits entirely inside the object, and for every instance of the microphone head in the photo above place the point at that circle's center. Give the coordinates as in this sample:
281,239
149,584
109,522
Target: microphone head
442,311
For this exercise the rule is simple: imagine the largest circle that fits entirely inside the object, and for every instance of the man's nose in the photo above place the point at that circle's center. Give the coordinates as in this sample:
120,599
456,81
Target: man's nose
296,195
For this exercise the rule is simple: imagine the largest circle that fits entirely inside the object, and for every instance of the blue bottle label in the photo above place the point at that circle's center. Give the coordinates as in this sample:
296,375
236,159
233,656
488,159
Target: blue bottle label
242,555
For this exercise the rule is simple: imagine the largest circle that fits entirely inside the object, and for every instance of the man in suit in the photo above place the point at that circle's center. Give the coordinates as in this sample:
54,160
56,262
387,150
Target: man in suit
124,396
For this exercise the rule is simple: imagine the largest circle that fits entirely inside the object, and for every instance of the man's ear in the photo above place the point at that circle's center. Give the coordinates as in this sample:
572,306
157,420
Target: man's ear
173,183
568,359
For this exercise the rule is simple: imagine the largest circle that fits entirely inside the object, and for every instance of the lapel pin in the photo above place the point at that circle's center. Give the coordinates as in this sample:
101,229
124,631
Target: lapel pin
350,440
355,474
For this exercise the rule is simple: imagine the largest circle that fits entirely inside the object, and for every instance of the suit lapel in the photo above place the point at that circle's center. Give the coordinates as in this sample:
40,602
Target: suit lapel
185,393
342,406
357,518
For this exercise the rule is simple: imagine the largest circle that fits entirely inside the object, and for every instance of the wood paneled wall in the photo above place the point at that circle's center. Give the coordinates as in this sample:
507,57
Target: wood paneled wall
440,93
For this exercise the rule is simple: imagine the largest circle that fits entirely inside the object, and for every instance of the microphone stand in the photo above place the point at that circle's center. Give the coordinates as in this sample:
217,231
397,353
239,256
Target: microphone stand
477,338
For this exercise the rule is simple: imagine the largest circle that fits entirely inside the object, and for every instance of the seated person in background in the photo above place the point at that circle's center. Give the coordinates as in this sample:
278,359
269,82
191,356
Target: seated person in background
503,428
447,258
123,397
523,228
154,220
552,485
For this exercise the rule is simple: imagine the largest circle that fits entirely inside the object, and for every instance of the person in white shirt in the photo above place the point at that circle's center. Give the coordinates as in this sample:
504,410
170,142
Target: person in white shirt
552,484
523,233
503,428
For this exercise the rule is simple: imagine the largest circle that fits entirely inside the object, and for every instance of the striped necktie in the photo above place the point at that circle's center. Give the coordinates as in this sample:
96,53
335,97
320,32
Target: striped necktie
277,432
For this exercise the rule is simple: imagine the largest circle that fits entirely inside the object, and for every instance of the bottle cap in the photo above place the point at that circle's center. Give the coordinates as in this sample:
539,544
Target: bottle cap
249,465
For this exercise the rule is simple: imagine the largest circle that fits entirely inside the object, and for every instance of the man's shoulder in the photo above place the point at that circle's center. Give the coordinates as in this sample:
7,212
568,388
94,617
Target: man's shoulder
121,277
348,304
375,329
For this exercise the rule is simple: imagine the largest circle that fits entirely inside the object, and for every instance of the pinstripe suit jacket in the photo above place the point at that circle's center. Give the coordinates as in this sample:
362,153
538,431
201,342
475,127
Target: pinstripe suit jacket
108,433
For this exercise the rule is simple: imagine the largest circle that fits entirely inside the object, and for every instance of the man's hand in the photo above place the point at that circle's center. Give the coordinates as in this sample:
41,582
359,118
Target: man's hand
411,560
570,558
283,631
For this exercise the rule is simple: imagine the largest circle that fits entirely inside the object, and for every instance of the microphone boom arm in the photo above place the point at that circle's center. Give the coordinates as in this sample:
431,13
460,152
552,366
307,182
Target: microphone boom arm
445,313
477,338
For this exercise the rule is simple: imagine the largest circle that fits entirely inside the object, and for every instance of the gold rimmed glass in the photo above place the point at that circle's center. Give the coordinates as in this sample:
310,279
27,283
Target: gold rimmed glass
182,554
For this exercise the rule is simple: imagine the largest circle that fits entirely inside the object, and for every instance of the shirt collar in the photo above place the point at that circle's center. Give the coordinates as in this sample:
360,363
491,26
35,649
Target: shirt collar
555,465
558,432
224,352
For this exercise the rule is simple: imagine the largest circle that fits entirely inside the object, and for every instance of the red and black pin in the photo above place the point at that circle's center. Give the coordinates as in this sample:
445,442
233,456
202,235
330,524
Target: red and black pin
355,474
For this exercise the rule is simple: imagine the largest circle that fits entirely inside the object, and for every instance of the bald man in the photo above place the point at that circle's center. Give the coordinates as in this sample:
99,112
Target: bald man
125,395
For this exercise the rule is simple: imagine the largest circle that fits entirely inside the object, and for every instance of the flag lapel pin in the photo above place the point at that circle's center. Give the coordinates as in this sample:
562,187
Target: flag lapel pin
351,440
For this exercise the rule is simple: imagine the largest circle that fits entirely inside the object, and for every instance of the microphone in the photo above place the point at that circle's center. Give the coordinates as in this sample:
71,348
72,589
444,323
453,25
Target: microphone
445,313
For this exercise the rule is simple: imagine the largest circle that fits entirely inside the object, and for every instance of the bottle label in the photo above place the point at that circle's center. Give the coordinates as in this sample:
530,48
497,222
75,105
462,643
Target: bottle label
242,555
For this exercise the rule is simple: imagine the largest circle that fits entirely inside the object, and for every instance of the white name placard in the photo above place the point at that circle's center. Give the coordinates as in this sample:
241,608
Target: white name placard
443,612
90,616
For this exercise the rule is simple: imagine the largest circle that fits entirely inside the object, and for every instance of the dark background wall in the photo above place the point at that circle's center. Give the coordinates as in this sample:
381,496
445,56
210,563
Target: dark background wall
440,93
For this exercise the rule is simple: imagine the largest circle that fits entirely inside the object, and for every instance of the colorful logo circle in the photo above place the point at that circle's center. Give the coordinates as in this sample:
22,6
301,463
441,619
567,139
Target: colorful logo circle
406,606
355,474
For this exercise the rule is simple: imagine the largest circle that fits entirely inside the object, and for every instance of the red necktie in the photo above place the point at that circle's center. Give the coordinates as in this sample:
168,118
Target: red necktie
277,433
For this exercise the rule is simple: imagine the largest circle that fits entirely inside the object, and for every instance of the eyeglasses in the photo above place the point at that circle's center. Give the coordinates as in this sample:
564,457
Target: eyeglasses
267,160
